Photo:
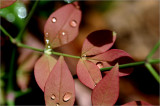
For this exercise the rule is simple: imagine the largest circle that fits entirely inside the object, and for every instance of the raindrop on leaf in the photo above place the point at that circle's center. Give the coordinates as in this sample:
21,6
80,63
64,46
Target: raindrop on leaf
67,96
99,65
57,104
53,97
54,19
73,23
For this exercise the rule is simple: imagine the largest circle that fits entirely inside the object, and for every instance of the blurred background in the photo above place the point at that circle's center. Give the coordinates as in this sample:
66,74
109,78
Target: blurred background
135,21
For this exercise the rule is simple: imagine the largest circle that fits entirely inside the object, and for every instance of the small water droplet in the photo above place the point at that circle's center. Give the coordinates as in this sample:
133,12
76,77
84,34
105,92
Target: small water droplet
47,41
67,96
95,85
63,33
73,23
99,64
54,19
57,104
53,97
46,34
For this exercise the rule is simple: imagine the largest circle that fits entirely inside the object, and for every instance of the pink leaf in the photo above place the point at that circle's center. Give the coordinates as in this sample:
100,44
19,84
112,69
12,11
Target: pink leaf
111,57
6,3
137,103
107,90
88,73
98,42
60,87
42,69
62,25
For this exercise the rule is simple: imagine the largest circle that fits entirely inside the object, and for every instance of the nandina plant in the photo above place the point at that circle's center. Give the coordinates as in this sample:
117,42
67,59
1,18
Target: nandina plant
53,75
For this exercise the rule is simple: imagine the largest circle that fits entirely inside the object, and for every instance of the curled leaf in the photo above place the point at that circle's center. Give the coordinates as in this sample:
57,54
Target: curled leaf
60,87
98,42
111,57
62,25
88,73
107,90
137,103
6,3
42,69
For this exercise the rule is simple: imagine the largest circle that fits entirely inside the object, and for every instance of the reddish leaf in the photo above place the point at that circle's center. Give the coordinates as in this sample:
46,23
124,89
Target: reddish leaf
60,87
137,103
62,25
42,69
98,42
6,3
88,73
107,90
111,57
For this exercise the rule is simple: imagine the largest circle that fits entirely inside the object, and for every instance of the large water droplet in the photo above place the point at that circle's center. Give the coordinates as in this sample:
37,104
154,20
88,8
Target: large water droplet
67,96
54,19
57,104
99,64
53,97
73,23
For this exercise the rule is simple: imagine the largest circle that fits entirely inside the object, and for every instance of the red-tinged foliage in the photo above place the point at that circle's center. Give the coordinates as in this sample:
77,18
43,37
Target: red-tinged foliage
98,42
63,25
60,87
111,57
107,90
43,68
137,103
6,3
88,73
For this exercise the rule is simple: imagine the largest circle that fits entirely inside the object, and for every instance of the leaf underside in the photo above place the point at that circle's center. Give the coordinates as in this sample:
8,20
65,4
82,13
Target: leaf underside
107,90
6,3
63,25
42,69
113,56
88,73
137,103
59,83
98,42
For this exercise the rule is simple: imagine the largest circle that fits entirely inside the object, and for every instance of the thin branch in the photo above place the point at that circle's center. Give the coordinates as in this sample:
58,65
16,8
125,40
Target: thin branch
19,36
153,72
153,50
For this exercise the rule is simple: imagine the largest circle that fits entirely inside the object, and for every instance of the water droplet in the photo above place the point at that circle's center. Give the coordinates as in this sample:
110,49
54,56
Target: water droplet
47,41
99,64
63,33
57,104
49,47
46,34
67,96
95,85
54,19
53,97
73,23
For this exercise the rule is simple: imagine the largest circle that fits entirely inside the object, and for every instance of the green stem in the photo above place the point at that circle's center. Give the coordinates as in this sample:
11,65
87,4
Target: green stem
21,93
7,34
66,55
19,36
153,72
153,61
153,50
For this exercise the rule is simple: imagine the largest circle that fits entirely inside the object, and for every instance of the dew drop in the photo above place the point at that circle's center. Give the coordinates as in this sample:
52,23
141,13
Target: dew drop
57,104
67,96
54,19
63,33
47,41
99,64
73,23
53,97
46,34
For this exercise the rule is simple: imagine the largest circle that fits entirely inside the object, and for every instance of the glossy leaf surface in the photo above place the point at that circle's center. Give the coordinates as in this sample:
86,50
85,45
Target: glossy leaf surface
6,3
98,42
137,103
107,90
60,87
111,57
62,25
88,73
43,68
